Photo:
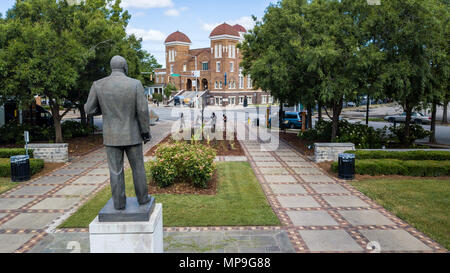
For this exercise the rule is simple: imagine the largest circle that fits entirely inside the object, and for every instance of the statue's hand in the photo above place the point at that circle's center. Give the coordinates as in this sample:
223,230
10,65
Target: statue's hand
146,137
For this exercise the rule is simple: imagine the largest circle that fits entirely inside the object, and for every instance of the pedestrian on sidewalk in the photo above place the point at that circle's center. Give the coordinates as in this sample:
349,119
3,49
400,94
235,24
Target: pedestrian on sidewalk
213,122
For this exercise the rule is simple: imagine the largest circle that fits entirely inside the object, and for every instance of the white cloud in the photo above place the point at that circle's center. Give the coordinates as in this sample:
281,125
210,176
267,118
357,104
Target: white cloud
172,12
147,35
245,21
175,12
147,4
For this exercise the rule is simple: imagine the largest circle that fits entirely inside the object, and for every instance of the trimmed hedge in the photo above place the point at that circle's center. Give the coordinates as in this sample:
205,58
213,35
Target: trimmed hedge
420,168
7,153
412,155
36,165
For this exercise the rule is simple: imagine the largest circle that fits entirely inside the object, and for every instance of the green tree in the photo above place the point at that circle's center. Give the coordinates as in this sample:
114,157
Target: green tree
40,54
409,31
305,51
57,50
169,90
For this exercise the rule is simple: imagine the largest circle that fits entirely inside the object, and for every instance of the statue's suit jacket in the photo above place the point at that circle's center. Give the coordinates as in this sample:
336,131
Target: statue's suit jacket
122,102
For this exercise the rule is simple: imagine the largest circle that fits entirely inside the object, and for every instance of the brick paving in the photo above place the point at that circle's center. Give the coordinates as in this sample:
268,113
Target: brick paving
31,211
324,214
318,213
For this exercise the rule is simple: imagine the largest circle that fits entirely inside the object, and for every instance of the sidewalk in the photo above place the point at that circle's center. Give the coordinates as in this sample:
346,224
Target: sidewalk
318,212
34,209
323,214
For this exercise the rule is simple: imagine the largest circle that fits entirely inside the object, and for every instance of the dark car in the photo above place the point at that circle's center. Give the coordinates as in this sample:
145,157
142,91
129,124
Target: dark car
292,120
39,116
178,100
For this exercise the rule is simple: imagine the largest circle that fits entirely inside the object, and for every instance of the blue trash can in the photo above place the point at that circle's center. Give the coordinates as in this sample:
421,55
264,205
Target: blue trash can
20,168
347,166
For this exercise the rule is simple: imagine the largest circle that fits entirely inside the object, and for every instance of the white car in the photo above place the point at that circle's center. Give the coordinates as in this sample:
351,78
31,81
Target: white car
416,118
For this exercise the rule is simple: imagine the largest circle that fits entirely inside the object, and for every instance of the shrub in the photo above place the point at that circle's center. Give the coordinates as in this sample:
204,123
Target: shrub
73,129
158,97
12,133
363,136
7,153
411,155
421,168
36,165
183,162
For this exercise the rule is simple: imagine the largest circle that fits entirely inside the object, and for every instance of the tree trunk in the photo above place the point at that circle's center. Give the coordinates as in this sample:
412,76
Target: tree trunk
281,115
54,106
408,111
320,111
337,108
309,122
433,123
368,110
83,115
444,117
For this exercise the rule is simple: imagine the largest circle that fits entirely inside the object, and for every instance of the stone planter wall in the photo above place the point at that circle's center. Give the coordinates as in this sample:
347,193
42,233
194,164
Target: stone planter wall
52,153
330,151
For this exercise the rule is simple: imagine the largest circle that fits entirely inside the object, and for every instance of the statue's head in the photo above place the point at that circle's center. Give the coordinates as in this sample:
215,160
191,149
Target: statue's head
118,63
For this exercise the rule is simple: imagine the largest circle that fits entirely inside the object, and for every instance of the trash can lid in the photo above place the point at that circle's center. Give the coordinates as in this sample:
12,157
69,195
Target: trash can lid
347,156
18,158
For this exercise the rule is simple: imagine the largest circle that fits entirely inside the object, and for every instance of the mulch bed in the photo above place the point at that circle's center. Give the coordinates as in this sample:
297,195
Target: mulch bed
185,188
80,146
222,147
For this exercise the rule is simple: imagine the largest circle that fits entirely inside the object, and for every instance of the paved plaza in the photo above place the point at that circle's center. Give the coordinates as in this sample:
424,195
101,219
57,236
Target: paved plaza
318,213
323,214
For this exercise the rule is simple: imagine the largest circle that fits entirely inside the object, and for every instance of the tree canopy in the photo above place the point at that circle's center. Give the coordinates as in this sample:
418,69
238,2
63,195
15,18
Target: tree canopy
328,51
56,49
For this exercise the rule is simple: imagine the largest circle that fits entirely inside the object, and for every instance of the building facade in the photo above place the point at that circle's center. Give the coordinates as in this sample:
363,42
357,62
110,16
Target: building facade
215,69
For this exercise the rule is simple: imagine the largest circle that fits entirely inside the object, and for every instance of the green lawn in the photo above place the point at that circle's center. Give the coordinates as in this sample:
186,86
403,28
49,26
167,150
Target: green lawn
240,201
423,203
6,184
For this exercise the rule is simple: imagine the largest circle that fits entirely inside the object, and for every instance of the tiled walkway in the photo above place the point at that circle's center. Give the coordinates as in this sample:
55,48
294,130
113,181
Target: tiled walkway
318,213
322,214
35,208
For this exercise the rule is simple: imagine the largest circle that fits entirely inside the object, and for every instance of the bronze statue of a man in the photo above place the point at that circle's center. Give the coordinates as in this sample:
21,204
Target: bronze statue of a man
126,124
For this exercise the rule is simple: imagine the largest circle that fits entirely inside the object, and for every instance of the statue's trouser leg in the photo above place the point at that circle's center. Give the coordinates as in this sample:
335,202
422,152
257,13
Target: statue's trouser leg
117,177
135,156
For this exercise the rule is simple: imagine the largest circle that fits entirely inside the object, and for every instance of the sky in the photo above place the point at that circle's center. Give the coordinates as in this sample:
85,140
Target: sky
154,20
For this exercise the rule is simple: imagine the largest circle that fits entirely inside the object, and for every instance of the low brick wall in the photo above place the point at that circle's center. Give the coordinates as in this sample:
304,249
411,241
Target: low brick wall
52,153
330,151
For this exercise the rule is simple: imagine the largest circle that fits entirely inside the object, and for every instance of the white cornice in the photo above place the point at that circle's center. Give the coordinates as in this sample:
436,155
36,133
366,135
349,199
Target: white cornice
177,43
223,37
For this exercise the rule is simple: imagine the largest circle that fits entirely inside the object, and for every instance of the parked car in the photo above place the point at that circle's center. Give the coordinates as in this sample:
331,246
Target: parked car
292,120
37,115
350,104
416,118
178,100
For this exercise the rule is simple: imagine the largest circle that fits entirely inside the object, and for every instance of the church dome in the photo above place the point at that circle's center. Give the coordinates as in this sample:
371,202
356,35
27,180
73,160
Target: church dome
178,37
224,29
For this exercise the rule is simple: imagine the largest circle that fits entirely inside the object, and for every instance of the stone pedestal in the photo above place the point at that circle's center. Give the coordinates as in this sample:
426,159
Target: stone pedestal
128,237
